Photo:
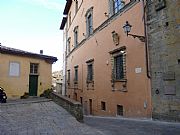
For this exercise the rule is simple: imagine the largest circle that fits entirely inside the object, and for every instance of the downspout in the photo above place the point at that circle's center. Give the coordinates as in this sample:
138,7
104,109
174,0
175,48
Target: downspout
146,43
66,34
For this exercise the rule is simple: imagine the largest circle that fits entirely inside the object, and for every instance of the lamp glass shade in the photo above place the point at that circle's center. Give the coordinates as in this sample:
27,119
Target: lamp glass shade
127,27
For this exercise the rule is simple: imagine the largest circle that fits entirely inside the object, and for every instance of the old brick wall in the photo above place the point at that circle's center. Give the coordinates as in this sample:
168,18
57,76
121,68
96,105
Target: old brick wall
163,25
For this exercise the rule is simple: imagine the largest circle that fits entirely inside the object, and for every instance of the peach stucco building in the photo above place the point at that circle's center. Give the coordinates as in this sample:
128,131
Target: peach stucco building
106,70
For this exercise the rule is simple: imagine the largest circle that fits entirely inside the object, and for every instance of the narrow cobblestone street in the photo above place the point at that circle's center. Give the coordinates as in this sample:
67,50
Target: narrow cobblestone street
43,117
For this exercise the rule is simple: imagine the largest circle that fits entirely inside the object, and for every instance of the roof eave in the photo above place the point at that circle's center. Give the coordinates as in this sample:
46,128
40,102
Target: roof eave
67,7
63,23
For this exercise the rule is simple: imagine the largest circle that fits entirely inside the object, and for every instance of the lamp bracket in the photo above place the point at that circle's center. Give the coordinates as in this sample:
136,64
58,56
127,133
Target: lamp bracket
141,38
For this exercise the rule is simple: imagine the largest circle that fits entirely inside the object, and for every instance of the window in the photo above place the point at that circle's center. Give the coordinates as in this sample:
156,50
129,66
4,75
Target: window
89,21
14,69
103,106
69,19
76,6
90,70
34,68
115,6
119,64
118,67
68,77
76,74
76,36
89,24
68,45
120,110
81,100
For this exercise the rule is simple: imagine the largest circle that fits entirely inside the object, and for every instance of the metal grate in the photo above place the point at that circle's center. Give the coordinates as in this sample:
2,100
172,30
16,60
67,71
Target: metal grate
120,110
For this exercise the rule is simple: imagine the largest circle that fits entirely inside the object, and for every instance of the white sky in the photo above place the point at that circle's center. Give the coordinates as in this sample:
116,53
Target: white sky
33,25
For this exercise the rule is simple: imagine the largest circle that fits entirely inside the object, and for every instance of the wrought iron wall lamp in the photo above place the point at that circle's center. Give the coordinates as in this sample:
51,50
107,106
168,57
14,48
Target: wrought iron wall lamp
127,29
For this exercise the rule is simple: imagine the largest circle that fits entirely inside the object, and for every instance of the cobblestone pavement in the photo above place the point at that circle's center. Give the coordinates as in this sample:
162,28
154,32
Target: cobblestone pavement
40,117
123,126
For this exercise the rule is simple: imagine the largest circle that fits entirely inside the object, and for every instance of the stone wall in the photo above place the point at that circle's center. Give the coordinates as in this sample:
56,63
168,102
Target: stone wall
163,25
73,107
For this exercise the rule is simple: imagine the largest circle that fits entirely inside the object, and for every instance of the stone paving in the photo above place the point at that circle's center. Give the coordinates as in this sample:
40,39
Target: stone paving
124,126
40,117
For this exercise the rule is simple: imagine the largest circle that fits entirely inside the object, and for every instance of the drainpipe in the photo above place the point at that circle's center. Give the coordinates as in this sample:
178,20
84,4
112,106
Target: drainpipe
66,35
146,43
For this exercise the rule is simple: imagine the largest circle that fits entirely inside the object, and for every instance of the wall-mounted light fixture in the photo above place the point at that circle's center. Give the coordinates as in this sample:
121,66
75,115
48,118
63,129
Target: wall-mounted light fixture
127,29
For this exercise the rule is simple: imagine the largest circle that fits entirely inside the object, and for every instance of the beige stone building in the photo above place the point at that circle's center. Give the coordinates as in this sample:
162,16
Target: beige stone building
22,71
106,70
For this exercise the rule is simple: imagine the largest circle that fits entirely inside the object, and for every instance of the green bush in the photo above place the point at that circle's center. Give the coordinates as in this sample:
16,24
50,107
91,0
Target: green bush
46,93
26,95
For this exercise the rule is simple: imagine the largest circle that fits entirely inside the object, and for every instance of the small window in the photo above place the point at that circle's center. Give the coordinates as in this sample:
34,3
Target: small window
103,106
14,69
120,110
81,100
68,45
68,77
76,6
178,61
69,19
34,68
76,74
76,36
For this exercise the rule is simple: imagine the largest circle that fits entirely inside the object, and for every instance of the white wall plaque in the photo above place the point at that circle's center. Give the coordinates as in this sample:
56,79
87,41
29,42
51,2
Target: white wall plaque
138,70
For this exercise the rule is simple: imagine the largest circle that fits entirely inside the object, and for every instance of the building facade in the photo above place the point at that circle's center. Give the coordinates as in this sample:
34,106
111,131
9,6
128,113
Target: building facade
22,71
163,22
106,70
57,81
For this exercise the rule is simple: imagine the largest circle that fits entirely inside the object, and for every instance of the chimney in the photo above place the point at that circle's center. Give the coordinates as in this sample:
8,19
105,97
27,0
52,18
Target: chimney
41,51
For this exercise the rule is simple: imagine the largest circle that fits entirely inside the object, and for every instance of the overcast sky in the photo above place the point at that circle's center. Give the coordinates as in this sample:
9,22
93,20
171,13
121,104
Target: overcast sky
33,25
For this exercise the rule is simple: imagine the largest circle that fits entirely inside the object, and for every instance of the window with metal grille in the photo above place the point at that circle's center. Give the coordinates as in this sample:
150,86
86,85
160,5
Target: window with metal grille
120,110
76,74
34,68
103,106
90,72
118,67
